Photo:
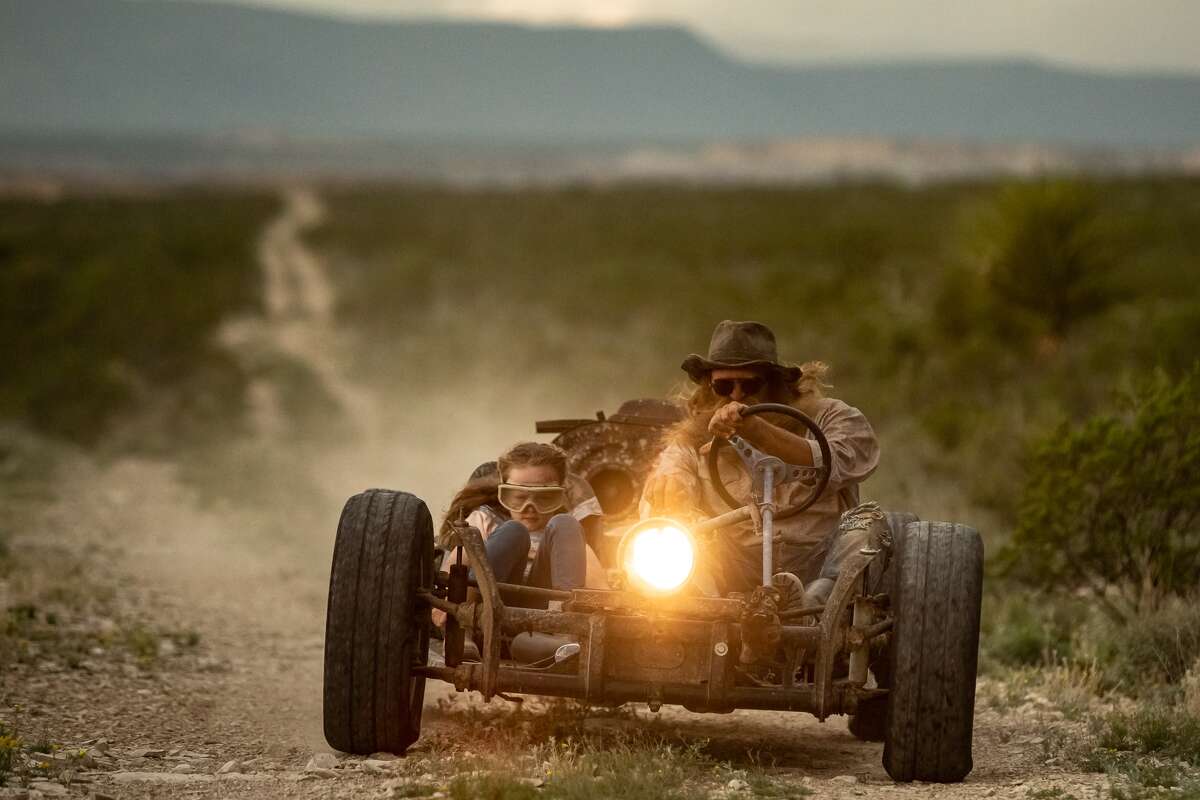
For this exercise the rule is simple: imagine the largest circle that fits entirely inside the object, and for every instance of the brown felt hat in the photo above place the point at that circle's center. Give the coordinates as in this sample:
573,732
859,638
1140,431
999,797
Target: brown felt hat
739,344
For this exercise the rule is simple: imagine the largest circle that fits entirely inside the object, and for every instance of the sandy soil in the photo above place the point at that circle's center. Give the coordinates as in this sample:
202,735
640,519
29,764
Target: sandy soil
251,690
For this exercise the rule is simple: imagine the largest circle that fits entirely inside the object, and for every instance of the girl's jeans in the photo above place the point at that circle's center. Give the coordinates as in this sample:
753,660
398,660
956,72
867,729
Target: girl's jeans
561,560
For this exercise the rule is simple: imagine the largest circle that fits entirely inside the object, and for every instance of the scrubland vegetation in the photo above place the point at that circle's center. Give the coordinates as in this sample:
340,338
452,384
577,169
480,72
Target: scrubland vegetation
1027,353
966,320
109,303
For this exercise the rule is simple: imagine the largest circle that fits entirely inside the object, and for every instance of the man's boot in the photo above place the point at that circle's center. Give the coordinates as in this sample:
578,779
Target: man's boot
817,592
791,590
470,649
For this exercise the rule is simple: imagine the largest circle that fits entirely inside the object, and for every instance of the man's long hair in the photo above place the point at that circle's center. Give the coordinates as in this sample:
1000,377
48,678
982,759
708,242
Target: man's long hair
702,402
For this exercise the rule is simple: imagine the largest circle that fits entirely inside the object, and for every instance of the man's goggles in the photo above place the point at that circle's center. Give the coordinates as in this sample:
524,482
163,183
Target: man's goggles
544,499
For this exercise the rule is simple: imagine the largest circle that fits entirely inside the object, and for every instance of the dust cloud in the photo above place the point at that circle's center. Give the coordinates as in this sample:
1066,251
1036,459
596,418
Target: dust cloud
235,541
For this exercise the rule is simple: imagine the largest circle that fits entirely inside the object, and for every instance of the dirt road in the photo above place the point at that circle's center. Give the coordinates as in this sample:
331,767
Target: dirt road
249,692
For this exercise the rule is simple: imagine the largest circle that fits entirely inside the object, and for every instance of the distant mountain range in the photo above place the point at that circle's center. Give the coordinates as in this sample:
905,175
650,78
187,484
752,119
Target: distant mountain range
153,68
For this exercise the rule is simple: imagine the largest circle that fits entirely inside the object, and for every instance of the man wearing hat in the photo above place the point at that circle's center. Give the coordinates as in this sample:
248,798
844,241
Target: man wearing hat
743,368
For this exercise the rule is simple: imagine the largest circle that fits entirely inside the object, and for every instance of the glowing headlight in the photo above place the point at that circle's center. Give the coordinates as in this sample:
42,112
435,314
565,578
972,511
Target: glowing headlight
658,555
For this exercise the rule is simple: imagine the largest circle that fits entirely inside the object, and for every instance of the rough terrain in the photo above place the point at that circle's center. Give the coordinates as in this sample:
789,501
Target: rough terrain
224,701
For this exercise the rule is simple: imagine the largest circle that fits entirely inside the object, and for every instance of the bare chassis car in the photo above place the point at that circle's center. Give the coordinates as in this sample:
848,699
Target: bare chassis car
895,645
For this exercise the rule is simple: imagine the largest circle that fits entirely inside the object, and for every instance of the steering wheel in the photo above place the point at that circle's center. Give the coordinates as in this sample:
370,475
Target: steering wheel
821,473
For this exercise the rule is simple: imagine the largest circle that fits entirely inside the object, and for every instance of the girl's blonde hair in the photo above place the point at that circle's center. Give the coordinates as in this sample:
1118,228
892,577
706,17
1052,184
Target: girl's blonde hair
533,454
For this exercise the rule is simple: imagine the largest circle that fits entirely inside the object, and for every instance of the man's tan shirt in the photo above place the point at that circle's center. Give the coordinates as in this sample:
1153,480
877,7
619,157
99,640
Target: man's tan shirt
855,455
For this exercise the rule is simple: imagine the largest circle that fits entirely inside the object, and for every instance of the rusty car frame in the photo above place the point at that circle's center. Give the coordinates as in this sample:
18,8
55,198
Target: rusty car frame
894,646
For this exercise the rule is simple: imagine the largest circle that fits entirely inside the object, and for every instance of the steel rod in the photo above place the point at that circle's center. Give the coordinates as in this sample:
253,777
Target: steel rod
878,628
522,681
768,526
806,636
716,523
797,613
519,620
438,603
514,589
535,592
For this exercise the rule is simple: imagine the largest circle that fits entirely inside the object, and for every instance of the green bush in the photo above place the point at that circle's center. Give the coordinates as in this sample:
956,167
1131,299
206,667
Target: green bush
1023,628
1113,506
1147,657
1047,254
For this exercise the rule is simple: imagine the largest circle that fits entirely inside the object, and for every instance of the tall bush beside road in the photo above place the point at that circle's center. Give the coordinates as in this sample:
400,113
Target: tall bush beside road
1048,253
1113,506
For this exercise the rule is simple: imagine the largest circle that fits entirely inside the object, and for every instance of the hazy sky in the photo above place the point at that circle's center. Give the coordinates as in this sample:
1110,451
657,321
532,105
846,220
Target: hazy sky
1115,34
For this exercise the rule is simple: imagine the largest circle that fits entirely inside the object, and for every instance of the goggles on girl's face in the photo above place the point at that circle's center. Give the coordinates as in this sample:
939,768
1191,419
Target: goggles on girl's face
544,499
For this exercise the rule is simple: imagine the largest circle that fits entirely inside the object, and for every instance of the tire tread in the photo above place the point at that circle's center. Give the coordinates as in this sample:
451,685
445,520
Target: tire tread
930,709
375,632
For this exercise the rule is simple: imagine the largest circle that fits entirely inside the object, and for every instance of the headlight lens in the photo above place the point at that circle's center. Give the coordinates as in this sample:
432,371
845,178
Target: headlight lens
658,555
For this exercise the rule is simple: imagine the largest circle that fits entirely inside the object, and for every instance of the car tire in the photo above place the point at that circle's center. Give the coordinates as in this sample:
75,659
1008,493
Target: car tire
868,722
376,630
934,653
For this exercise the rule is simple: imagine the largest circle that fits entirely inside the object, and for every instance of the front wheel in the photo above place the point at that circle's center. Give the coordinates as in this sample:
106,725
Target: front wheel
376,631
934,653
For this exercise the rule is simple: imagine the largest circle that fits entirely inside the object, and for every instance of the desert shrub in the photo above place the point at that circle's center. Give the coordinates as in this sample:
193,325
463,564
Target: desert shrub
1049,793
1113,506
1024,628
1191,689
489,787
1152,730
10,749
1142,777
1152,657
1045,252
636,768
417,789
1155,651
1184,789
1150,754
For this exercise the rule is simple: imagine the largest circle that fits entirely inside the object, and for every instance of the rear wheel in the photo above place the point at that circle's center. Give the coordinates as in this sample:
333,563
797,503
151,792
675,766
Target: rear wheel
376,631
934,653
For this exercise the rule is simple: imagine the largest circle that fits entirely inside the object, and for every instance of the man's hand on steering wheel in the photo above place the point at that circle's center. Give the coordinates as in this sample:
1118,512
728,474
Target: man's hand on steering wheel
799,465
727,420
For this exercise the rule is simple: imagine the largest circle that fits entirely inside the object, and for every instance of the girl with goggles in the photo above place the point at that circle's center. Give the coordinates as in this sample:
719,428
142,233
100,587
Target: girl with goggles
532,514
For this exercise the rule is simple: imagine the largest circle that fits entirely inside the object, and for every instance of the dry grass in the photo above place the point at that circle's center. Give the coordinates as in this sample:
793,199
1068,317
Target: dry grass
567,750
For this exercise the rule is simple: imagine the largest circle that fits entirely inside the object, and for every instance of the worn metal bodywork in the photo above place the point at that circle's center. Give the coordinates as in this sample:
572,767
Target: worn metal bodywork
615,453
703,653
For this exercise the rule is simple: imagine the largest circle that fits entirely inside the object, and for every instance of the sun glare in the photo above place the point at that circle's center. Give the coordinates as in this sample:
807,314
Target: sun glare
661,557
